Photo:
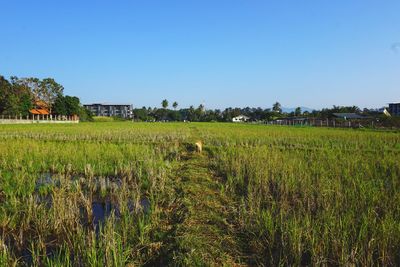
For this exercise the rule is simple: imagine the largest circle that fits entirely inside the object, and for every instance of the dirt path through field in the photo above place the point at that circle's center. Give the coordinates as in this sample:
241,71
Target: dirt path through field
202,232
205,236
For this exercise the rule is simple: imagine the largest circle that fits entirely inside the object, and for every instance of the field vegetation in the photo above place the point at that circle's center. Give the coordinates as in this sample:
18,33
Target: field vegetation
123,193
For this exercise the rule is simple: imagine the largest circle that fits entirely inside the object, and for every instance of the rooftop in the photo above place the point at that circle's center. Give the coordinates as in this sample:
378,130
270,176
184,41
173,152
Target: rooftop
108,104
39,111
348,116
242,116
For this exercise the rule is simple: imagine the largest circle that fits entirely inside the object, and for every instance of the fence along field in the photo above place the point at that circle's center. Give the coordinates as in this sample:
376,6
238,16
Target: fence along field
135,193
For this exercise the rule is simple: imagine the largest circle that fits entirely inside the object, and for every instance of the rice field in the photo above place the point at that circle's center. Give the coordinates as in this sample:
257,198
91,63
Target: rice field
138,194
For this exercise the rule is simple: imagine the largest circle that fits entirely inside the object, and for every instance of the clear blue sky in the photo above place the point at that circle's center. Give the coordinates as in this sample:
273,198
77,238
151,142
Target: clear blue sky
223,52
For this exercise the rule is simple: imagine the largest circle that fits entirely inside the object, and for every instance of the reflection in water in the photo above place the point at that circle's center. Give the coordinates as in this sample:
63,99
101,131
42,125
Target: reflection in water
145,204
103,209
46,179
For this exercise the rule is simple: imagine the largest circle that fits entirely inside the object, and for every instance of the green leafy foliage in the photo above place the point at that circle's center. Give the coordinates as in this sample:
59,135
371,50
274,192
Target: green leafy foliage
15,98
19,95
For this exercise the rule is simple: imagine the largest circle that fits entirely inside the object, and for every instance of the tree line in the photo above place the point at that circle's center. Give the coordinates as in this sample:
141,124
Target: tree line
20,95
255,114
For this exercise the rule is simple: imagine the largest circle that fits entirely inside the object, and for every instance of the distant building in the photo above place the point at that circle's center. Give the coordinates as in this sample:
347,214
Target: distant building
349,116
294,120
109,110
240,118
394,109
40,108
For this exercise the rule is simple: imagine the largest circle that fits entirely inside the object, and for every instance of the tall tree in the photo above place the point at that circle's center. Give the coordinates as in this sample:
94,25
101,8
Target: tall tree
297,111
67,105
15,98
49,91
191,114
59,107
72,105
175,105
277,107
201,108
32,83
5,89
164,103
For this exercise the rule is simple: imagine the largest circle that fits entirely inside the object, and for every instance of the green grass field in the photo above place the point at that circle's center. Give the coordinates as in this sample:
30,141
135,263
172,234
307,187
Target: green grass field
123,193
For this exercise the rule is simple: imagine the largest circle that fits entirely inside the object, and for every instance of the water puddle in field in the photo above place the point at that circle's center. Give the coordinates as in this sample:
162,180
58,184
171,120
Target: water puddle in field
102,207
99,183
47,179
145,204
101,210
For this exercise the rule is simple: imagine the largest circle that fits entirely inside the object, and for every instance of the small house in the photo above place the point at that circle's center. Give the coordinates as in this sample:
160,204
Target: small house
40,108
240,118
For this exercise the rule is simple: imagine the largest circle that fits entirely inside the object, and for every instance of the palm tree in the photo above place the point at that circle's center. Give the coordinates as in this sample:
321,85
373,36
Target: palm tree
164,103
175,105
201,108
297,111
277,107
